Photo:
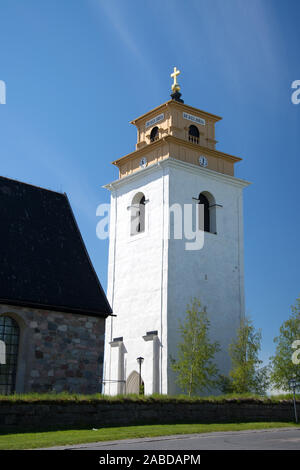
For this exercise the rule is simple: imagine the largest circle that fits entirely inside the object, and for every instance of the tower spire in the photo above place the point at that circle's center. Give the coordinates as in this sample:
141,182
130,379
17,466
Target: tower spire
175,95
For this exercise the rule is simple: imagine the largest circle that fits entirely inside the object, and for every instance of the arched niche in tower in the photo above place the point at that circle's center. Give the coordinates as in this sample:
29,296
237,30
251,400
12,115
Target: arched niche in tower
138,214
133,383
194,134
154,134
207,212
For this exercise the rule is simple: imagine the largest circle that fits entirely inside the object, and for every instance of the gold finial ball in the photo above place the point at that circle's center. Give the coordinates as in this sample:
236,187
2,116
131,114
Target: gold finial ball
175,87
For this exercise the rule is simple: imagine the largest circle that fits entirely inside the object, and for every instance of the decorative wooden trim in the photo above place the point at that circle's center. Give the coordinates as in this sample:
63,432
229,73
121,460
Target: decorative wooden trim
172,139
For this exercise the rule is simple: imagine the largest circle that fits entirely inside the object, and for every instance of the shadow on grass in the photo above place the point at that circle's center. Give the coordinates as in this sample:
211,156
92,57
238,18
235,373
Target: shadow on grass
4,431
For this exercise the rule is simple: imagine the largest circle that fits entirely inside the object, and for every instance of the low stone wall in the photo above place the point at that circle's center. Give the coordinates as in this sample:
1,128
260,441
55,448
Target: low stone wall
96,415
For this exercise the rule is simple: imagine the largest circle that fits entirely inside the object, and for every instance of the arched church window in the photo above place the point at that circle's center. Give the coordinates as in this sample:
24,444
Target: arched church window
138,214
194,134
154,134
10,335
204,215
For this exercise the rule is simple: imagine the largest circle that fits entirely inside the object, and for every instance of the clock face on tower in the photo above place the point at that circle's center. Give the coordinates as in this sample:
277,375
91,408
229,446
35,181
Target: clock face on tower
143,162
203,161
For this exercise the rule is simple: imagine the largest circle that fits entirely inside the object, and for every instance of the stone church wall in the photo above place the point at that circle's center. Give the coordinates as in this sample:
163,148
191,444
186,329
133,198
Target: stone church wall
58,351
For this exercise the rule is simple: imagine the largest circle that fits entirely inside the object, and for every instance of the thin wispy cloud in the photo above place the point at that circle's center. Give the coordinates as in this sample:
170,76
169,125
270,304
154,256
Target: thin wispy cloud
114,13
241,37
55,164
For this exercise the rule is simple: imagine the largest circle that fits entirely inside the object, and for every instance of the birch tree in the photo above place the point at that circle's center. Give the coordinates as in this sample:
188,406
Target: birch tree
285,362
194,367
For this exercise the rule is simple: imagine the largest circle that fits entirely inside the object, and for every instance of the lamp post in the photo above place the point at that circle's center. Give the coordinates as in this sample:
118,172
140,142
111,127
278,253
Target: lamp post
140,361
293,384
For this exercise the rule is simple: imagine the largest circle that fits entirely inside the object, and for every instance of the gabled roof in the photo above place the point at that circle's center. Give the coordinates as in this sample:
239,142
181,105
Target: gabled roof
43,260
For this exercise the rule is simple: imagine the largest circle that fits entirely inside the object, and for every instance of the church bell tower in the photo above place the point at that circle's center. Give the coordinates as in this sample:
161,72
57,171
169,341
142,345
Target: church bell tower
174,185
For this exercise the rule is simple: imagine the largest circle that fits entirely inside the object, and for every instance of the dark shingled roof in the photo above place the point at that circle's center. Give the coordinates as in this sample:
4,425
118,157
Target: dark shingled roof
43,259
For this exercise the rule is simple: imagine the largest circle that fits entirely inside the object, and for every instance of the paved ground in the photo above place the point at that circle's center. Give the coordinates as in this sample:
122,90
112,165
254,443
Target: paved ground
269,439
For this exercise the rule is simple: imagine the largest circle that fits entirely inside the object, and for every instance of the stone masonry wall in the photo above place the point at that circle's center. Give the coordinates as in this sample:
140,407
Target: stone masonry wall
58,351
95,415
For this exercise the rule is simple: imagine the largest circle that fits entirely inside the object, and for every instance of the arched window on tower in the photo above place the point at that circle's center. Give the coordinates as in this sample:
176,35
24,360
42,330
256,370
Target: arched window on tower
207,212
154,135
138,214
194,134
10,335
204,222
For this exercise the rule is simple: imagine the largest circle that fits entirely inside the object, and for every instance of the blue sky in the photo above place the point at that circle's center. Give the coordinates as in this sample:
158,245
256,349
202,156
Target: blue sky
77,71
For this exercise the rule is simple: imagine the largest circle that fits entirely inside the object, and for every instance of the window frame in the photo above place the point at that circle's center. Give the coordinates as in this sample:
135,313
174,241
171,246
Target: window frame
10,333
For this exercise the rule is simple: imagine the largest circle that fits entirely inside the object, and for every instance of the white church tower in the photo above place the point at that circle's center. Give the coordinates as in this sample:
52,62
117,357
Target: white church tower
155,267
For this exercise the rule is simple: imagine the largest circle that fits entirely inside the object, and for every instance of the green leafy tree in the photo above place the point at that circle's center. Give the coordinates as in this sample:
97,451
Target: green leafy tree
283,366
246,376
225,384
195,368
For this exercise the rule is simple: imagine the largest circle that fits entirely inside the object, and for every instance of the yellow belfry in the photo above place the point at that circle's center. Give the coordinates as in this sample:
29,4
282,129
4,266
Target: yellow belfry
175,87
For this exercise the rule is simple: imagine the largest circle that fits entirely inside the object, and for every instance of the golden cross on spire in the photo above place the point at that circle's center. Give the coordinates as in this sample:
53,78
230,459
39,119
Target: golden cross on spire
175,86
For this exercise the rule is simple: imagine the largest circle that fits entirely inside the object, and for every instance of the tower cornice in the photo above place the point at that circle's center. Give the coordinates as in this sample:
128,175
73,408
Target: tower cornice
174,163
172,139
178,105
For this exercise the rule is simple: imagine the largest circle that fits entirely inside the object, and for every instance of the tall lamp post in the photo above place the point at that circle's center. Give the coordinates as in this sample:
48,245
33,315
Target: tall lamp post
140,361
293,385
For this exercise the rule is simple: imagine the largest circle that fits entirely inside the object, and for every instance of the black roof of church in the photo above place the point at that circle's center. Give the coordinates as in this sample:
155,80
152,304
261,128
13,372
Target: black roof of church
43,259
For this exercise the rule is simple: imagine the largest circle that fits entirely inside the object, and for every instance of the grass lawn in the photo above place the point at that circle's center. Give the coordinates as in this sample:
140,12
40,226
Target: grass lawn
32,440
65,397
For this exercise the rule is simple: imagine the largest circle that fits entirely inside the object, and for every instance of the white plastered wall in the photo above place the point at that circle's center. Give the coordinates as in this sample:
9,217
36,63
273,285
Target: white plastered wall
151,279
